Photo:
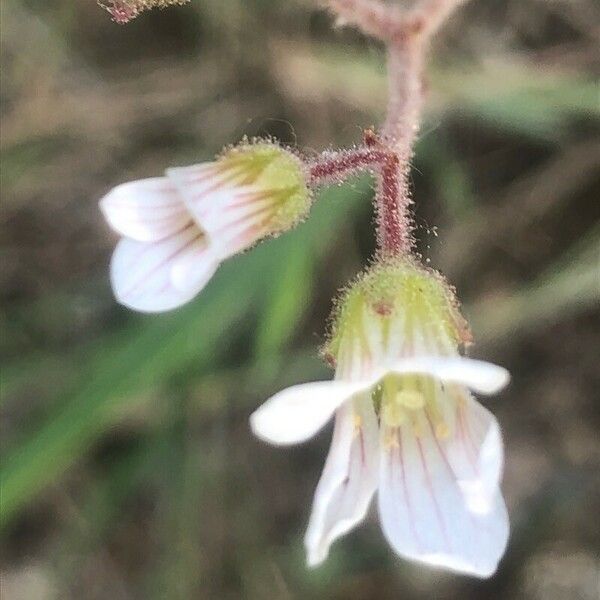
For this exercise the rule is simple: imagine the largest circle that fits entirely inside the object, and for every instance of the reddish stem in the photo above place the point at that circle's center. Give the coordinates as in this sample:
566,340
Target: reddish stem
405,60
333,167
394,225
405,33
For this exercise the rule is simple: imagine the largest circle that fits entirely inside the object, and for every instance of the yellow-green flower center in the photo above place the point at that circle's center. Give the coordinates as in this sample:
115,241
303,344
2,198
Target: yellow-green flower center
412,400
278,176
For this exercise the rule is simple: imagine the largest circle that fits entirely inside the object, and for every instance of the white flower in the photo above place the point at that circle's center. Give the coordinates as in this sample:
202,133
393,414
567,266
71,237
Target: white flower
178,228
406,425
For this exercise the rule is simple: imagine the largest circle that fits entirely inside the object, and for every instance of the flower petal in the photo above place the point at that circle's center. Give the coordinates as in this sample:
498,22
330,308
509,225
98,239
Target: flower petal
146,210
434,507
478,375
233,214
159,276
474,447
298,412
349,478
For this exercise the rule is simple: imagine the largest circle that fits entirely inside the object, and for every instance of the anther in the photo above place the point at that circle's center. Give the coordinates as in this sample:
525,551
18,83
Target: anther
411,399
442,431
358,421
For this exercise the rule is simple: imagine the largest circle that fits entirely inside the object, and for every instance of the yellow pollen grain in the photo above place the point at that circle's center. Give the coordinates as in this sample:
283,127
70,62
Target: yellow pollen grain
411,399
442,431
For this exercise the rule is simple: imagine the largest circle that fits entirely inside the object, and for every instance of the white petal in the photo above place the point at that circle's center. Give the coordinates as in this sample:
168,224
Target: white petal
478,375
233,215
475,451
349,478
298,412
159,276
146,210
437,508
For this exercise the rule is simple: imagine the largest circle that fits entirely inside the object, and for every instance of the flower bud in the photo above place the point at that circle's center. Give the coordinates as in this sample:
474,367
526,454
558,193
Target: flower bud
177,229
251,191
406,425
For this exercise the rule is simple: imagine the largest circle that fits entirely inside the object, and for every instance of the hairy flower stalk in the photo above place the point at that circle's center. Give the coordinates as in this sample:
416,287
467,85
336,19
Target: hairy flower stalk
394,231
177,229
406,425
406,33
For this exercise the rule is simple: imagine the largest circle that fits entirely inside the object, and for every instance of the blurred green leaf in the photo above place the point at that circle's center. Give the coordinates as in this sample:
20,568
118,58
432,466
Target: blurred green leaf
158,347
101,503
519,97
449,175
512,95
287,298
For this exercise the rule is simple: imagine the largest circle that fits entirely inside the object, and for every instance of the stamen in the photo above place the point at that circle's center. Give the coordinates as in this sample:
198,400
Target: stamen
434,413
393,414
412,400
416,421
391,439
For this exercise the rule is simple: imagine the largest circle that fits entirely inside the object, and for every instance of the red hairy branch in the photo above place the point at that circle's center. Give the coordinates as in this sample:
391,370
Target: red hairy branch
123,11
333,167
405,32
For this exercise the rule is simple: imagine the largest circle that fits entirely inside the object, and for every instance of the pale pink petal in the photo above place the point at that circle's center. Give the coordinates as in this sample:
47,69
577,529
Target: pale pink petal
349,478
195,181
433,507
146,210
478,375
298,412
234,215
159,276
472,444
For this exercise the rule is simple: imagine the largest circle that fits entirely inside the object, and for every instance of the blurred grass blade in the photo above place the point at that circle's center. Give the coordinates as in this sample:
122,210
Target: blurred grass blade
149,354
512,95
286,300
139,359
519,97
450,176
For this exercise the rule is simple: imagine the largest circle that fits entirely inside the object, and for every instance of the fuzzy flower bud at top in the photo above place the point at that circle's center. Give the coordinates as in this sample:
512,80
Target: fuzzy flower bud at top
406,425
123,11
178,228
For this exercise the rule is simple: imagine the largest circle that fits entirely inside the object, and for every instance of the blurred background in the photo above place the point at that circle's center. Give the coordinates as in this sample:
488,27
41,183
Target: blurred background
129,470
